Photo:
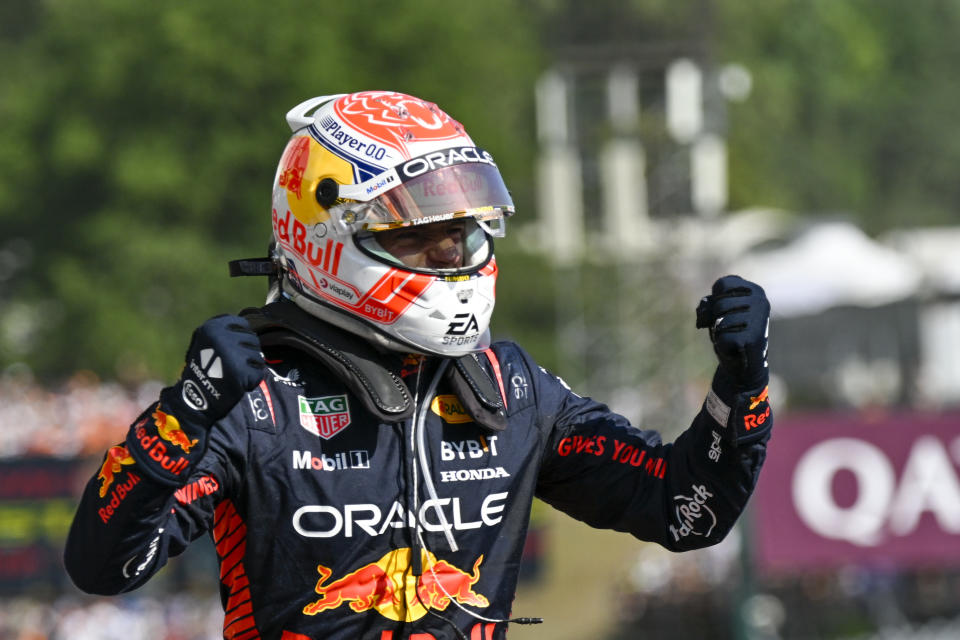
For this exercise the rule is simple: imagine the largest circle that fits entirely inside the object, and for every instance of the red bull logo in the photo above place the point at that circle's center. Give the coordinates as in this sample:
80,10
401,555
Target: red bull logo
169,429
294,164
752,421
389,587
443,582
117,458
412,363
755,400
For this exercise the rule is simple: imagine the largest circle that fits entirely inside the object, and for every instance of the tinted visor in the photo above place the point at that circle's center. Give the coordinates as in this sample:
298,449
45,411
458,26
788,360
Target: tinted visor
471,189
459,245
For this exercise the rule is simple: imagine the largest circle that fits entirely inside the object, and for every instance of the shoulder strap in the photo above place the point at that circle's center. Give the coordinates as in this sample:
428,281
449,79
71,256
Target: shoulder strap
353,360
357,363
479,394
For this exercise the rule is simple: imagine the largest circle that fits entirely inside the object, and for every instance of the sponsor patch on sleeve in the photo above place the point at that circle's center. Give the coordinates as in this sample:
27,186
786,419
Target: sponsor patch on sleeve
717,409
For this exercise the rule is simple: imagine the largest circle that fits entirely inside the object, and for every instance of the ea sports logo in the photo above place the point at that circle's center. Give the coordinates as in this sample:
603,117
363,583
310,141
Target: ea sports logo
463,323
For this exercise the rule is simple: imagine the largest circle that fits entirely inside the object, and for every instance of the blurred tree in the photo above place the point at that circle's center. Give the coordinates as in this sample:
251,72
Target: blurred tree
139,142
621,24
851,104
851,110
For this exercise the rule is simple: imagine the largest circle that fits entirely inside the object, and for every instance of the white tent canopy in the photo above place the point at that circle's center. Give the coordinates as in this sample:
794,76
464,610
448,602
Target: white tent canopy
827,265
935,250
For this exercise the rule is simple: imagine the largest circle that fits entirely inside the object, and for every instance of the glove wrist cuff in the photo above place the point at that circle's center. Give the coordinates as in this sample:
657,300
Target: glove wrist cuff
727,381
744,414
180,401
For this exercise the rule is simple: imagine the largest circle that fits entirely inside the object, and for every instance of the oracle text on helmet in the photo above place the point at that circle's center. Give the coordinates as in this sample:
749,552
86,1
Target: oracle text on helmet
439,159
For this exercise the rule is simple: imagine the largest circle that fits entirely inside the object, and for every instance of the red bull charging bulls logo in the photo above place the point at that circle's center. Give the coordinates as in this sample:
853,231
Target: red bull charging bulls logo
754,420
389,587
117,458
294,164
169,429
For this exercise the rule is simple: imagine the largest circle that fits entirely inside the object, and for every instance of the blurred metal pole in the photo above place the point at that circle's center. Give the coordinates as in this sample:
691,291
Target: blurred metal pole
623,179
742,628
560,212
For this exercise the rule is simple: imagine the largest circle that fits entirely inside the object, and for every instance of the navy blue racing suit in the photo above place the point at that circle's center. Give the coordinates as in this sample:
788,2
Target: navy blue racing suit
332,523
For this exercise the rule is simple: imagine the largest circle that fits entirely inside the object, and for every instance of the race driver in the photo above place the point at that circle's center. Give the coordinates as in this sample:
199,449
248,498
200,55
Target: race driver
363,458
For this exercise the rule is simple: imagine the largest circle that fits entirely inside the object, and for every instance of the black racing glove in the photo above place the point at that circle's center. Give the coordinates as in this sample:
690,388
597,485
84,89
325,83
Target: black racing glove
737,314
223,362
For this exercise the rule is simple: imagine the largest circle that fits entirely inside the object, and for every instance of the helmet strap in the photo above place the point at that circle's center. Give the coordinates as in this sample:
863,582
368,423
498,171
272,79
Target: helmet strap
253,267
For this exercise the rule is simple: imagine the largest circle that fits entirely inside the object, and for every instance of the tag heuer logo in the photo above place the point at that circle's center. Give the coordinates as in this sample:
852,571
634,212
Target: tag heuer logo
326,416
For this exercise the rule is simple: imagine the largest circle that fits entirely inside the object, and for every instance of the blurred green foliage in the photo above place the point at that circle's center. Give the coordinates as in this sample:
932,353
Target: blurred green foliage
852,108
138,141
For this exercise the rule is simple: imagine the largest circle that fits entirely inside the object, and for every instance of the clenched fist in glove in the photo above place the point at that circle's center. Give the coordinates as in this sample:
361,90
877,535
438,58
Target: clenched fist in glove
737,314
223,362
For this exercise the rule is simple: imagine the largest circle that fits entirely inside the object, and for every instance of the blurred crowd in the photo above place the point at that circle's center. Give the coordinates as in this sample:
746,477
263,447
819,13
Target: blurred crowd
84,417
172,617
716,593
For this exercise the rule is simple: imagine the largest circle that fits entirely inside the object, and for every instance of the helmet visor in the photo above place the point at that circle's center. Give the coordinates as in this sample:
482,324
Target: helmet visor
473,190
456,246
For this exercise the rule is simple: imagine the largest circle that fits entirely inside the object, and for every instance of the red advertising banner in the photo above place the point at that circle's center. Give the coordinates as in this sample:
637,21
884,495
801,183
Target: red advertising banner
841,489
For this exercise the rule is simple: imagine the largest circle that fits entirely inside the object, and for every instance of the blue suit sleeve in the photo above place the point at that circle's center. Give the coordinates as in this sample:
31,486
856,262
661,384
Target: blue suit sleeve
127,526
600,469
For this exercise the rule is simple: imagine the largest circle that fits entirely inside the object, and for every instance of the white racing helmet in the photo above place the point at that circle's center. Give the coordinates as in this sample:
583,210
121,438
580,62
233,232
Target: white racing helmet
372,161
